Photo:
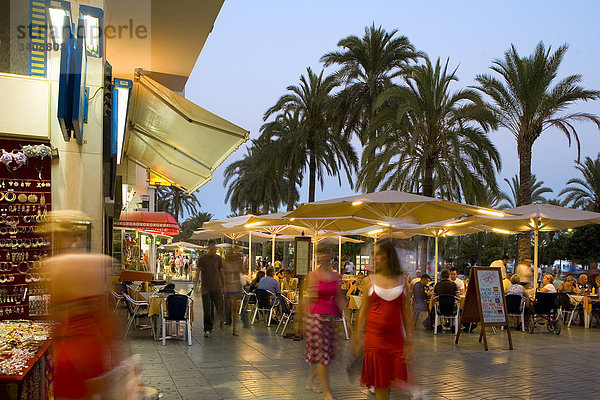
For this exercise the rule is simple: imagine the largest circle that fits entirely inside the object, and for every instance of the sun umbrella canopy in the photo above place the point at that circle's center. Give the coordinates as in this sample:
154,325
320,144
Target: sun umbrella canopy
206,234
388,207
543,217
227,222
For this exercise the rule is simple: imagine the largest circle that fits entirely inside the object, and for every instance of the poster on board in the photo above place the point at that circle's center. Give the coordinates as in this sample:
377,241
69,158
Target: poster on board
484,303
302,255
490,293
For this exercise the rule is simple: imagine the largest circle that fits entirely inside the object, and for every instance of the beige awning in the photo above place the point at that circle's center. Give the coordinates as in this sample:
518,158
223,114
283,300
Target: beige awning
175,138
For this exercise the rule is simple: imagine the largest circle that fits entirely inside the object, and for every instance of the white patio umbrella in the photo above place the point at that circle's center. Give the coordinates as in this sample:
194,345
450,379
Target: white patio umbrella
536,218
437,230
185,245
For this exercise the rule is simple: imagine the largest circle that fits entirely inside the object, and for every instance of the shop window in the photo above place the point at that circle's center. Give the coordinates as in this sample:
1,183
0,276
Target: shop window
23,37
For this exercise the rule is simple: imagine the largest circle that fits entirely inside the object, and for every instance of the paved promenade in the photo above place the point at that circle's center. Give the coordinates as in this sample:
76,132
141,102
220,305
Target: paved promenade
260,364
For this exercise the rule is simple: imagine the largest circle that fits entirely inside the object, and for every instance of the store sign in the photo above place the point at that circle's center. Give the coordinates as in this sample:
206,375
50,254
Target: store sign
76,44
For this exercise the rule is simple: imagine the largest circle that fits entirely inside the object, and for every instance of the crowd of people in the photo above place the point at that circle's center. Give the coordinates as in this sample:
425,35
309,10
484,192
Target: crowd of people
391,306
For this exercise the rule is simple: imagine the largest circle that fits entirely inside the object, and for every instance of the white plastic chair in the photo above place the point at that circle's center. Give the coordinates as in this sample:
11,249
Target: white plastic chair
443,312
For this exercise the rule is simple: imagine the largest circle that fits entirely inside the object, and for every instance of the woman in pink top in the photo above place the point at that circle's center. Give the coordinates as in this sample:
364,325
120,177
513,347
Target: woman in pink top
323,303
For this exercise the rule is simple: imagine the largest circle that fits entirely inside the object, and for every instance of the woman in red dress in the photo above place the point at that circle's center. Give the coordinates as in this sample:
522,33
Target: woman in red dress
385,322
84,346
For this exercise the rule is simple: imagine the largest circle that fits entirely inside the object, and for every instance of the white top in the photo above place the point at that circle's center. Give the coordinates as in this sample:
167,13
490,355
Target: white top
386,294
460,285
550,288
499,264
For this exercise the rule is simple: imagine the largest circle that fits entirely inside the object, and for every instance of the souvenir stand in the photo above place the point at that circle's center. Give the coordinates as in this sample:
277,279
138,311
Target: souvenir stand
25,199
136,237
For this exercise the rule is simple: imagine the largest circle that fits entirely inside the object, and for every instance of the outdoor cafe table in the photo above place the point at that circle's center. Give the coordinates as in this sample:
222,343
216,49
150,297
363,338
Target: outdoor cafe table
586,302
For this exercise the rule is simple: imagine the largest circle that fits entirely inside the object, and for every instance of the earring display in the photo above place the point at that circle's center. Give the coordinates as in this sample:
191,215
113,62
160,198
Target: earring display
25,200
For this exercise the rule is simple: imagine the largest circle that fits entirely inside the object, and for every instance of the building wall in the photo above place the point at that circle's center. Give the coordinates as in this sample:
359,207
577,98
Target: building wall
28,108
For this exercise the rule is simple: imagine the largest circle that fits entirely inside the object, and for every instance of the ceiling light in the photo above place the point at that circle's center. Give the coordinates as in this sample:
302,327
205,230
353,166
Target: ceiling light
375,232
356,203
383,224
252,224
503,231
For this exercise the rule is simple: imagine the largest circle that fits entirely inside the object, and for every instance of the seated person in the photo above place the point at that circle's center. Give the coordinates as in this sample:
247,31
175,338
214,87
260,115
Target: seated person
583,286
254,285
421,294
506,282
515,287
548,284
356,285
460,285
290,283
568,286
445,286
596,302
280,274
245,279
270,283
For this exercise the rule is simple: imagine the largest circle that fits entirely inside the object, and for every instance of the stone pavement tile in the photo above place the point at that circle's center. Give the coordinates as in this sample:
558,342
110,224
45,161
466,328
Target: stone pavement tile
187,382
206,394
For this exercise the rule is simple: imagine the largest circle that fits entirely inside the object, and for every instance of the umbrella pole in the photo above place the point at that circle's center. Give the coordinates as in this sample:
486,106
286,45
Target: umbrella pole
250,263
535,259
340,254
315,250
374,245
436,259
273,251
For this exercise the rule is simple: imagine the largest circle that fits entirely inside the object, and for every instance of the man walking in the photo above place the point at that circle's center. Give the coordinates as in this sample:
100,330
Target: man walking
211,277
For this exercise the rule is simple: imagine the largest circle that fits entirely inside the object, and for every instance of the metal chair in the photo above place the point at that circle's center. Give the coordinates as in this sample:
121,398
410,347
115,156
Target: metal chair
179,308
515,307
136,311
567,308
447,307
119,300
266,301
247,301
288,309
342,319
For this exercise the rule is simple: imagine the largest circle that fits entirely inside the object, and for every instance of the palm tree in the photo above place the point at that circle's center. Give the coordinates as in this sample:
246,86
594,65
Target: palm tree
585,192
512,199
176,201
192,224
328,152
288,156
433,141
526,104
368,66
288,150
253,186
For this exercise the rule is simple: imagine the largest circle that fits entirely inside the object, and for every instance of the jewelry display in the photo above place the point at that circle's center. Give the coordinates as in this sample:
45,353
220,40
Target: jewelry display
20,340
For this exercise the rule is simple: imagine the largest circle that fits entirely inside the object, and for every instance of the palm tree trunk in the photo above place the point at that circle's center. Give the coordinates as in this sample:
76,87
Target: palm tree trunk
290,207
427,191
524,239
479,247
312,170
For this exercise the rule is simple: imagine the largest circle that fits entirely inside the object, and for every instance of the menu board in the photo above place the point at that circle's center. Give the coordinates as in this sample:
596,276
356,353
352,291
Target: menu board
484,302
302,255
490,293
